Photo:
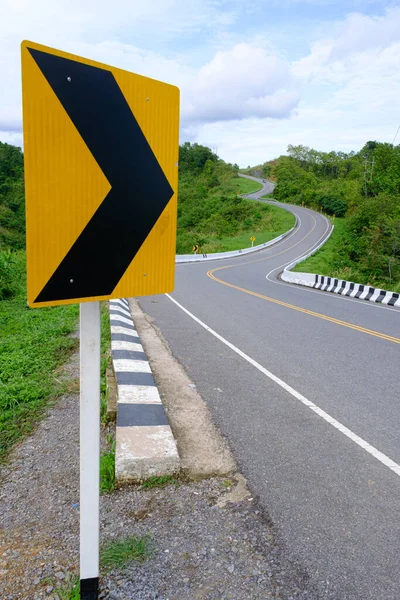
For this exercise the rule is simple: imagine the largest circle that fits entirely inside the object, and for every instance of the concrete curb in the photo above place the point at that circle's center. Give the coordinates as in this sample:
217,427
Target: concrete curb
145,445
186,258
338,286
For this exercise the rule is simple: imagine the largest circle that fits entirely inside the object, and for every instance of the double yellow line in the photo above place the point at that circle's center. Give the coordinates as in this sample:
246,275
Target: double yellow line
312,313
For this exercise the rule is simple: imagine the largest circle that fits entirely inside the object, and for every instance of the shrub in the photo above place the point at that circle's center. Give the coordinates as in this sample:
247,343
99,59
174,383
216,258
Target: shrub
333,206
7,264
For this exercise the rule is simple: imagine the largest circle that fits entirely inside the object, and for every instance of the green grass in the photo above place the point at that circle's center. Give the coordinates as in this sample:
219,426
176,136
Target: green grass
70,590
227,483
34,343
328,261
245,186
105,343
273,222
107,467
113,555
118,554
161,481
321,262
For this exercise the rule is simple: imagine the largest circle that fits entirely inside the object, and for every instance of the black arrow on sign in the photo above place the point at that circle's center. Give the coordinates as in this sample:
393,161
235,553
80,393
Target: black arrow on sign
139,189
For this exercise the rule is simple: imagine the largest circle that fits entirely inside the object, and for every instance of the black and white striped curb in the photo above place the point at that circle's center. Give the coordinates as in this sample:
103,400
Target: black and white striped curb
145,445
356,290
338,286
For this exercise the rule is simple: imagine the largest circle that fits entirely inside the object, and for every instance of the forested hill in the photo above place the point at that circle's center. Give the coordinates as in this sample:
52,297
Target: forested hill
206,197
364,189
210,212
12,202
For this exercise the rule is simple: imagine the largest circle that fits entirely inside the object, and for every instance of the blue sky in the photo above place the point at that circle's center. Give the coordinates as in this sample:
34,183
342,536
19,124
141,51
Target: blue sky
255,76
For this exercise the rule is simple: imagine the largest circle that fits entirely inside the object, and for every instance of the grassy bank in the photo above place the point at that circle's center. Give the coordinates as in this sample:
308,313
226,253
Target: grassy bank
333,261
34,344
365,247
245,186
273,221
211,212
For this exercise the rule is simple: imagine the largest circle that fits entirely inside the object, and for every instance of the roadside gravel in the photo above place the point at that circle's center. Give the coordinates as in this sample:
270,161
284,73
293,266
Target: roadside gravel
209,538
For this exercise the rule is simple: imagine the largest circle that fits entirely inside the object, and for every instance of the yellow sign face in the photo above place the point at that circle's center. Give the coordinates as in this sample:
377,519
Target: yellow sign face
252,239
101,172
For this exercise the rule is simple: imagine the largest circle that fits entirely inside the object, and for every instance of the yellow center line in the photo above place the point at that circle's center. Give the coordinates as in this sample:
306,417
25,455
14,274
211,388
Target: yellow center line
250,262
377,334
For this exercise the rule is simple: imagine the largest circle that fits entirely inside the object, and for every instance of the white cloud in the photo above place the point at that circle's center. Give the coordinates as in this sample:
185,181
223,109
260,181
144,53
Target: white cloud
122,19
122,33
242,82
246,99
237,83
354,43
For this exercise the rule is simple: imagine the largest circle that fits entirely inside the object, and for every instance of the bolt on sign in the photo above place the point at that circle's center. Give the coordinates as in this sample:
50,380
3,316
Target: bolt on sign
101,172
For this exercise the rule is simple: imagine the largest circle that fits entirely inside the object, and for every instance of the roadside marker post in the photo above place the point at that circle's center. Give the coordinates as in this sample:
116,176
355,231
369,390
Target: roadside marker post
89,448
252,239
101,152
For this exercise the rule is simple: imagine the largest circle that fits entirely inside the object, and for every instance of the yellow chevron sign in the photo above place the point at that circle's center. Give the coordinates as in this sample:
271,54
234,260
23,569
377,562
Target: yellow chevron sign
101,172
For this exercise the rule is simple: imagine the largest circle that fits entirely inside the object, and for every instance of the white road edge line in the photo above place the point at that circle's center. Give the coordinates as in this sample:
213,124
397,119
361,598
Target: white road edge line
302,254
239,257
385,460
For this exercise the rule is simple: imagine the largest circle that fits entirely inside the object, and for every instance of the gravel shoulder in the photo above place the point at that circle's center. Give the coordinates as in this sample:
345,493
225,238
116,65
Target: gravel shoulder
210,539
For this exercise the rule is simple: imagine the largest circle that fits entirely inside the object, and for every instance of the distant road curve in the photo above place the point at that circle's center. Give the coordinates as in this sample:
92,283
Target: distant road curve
268,187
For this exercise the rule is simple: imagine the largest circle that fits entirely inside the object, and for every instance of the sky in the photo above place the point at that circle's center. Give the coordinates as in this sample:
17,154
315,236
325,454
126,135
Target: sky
255,75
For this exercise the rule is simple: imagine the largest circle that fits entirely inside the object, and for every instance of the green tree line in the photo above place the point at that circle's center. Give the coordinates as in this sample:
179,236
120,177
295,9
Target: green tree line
364,188
12,198
209,208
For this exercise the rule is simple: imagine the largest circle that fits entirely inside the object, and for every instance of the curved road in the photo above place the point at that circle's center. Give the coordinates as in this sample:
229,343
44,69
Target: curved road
305,386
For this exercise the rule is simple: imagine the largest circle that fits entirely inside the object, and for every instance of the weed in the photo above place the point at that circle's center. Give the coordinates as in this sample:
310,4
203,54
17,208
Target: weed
6,274
160,482
227,483
103,406
117,554
105,360
70,590
107,467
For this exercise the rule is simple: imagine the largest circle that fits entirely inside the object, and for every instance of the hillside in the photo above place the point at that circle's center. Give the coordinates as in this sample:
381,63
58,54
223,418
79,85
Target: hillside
361,189
210,213
12,200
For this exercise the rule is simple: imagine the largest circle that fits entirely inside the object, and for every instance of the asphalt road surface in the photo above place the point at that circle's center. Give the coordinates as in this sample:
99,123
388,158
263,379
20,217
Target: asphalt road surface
305,386
267,187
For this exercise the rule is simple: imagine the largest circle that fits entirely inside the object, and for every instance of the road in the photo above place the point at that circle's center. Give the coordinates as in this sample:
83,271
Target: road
305,386
267,187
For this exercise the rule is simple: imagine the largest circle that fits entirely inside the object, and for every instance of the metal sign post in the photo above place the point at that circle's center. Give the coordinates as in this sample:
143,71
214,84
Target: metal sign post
89,448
